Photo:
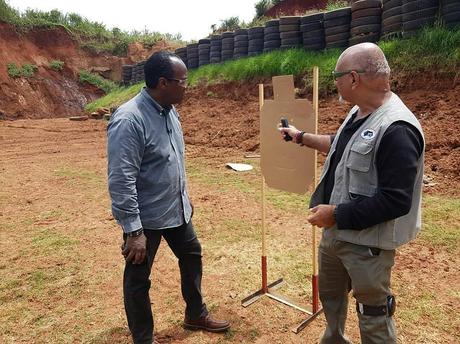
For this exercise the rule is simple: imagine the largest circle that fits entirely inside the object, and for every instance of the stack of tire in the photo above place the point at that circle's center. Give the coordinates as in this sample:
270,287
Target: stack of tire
255,40
391,19
290,34
312,29
417,14
240,43
141,65
272,39
126,74
182,53
227,46
216,49
204,48
450,12
138,72
135,74
337,27
192,55
366,18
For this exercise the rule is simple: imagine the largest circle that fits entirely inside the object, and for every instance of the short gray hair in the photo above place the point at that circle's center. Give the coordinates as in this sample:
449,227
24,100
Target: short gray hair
368,57
377,65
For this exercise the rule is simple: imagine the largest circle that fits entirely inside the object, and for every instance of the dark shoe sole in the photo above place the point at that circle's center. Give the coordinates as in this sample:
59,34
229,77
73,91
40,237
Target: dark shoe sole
198,327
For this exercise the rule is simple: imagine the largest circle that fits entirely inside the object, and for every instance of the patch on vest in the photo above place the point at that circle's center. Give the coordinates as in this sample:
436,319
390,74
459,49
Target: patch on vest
368,134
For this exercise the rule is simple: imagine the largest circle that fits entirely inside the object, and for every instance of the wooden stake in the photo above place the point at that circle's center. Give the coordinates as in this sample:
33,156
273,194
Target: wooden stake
314,248
264,248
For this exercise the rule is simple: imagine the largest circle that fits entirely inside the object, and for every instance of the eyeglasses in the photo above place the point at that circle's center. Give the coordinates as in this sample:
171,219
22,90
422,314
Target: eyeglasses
336,74
181,82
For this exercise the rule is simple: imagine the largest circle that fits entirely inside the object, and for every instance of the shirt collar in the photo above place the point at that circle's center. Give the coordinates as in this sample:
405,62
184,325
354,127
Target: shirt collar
161,110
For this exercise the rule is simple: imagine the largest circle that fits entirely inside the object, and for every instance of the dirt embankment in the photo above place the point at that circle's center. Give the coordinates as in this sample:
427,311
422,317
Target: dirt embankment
48,93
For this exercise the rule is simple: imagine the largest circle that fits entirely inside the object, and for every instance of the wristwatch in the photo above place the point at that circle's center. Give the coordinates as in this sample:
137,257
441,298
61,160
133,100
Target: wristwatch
135,233
334,213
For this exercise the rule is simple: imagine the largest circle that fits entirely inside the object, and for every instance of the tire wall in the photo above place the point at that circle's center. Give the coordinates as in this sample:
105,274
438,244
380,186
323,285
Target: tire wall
363,21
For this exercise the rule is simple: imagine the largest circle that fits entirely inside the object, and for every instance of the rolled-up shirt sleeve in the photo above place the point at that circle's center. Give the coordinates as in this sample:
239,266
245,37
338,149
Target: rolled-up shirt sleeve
125,148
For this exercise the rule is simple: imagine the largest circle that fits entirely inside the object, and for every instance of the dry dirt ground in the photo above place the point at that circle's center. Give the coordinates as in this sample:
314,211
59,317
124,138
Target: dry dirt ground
61,268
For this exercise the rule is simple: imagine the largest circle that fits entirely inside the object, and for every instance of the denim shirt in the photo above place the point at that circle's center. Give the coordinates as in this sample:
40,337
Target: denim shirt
146,171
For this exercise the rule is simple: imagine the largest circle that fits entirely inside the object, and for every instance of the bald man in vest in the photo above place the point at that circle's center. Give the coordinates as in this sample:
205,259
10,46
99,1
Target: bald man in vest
368,199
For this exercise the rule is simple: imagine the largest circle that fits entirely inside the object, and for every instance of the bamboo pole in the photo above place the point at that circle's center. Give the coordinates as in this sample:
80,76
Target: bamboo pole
264,248
315,291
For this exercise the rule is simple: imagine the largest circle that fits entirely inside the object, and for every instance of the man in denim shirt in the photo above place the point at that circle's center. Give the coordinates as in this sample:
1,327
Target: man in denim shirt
148,188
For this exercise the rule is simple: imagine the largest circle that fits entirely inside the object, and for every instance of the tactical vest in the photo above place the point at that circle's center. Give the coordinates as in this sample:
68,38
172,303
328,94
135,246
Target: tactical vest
357,174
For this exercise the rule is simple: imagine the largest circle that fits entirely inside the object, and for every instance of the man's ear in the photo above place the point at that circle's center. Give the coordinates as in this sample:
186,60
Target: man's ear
354,79
162,82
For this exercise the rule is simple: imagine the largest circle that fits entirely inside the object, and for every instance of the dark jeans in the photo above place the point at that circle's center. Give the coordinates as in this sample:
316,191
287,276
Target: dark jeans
136,283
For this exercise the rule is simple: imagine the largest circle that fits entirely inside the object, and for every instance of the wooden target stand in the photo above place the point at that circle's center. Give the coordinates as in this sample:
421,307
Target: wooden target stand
269,289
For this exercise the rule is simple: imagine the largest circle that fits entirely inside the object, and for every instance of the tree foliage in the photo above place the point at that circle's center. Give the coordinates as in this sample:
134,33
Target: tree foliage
262,6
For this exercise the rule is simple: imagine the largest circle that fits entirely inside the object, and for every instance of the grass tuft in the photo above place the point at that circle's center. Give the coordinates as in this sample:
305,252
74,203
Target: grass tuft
57,65
27,70
96,80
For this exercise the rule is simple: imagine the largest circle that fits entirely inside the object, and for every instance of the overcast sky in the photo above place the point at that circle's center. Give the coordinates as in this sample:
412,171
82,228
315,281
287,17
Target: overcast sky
191,18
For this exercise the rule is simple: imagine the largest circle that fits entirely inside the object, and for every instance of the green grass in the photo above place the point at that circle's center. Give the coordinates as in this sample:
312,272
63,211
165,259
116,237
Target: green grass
336,4
57,65
13,70
433,50
115,98
293,61
27,70
50,240
96,80
441,221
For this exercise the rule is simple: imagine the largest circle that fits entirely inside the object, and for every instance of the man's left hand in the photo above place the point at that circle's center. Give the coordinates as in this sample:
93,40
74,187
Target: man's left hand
322,215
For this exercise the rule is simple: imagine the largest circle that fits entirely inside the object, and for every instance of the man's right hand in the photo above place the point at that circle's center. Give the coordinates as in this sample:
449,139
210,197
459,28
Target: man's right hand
291,131
135,249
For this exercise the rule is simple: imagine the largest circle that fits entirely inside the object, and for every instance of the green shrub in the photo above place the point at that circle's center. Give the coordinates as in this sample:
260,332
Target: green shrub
7,13
336,4
13,70
28,70
261,7
57,65
98,81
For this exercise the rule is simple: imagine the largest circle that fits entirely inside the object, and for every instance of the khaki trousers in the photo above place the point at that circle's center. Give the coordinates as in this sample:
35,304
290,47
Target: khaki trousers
343,267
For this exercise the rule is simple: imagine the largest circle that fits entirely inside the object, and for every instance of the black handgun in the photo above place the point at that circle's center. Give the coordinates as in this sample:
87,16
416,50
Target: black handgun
285,124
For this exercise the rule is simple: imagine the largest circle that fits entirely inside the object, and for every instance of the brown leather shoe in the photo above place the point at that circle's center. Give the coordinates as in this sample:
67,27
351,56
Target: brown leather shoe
206,323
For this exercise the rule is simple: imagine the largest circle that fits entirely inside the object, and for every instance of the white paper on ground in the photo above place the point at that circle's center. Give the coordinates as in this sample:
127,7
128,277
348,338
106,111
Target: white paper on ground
239,167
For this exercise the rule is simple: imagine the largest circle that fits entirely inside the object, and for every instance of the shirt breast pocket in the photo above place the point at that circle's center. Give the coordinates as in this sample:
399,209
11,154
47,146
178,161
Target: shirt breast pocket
359,163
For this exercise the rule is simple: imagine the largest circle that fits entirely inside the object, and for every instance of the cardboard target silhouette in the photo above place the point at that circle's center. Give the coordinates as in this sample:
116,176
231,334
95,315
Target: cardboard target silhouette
286,166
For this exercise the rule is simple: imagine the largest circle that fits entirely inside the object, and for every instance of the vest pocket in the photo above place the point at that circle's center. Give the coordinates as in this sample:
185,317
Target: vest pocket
359,164
360,157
